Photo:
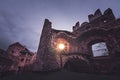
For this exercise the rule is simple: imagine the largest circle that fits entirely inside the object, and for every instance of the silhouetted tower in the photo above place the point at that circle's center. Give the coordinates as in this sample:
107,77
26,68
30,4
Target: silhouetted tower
45,58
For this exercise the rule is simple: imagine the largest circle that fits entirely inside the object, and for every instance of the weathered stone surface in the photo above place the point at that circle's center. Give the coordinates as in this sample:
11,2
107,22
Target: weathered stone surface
5,61
20,56
78,44
44,55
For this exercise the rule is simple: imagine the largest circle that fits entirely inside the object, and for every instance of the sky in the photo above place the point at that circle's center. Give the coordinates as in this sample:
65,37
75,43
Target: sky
22,20
100,49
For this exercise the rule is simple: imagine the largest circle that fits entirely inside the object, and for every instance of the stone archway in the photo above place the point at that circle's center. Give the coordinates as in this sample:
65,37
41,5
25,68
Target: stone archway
77,65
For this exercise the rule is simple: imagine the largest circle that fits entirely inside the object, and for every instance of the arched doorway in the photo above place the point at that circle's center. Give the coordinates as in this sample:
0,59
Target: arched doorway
77,65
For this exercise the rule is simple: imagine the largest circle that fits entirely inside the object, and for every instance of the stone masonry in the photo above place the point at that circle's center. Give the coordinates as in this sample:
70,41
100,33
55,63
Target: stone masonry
102,27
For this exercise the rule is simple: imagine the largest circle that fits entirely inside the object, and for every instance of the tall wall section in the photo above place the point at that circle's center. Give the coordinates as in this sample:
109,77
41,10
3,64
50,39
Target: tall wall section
45,59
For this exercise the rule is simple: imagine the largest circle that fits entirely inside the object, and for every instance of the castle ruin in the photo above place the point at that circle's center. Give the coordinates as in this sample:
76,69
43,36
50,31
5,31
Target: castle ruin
93,46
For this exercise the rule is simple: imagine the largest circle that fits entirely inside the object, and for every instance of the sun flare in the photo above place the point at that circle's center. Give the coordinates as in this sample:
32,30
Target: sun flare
61,46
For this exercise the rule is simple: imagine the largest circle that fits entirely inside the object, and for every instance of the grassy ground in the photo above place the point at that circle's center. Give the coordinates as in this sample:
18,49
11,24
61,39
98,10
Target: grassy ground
59,75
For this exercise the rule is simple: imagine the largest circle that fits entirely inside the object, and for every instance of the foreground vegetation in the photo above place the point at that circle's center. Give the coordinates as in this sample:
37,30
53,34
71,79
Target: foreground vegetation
58,75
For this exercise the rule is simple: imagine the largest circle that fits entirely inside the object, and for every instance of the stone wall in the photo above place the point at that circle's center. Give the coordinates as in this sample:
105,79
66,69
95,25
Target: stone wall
5,61
45,58
100,28
20,56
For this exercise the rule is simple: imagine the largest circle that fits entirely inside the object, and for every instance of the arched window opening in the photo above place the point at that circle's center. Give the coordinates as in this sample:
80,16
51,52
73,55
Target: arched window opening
100,49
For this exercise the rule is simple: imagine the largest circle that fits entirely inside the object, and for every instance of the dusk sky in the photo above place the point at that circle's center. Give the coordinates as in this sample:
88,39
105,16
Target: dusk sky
22,20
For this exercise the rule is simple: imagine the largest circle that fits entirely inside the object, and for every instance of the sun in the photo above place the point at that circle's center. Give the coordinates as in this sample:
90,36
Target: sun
61,46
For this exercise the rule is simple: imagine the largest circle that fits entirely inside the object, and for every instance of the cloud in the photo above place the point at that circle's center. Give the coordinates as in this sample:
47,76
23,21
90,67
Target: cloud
13,28
6,29
22,20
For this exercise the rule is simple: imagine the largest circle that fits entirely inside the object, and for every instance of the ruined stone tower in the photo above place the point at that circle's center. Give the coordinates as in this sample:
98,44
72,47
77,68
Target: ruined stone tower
92,46
43,53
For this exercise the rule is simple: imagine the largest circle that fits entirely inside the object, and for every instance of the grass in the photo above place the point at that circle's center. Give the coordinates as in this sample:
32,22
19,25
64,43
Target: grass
59,75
